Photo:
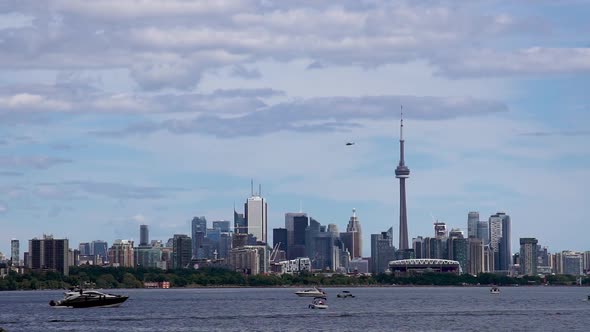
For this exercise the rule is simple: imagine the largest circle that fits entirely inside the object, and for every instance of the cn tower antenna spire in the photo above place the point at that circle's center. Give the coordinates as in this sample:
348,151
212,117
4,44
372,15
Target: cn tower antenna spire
401,127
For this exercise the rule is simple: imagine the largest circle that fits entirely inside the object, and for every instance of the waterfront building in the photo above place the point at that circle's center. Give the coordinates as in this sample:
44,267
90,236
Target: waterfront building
198,234
382,251
144,236
359,265
49,254
121,254
402,172
181,251
472,224
528,258
14,252
250,260
458,248
572,263
407,267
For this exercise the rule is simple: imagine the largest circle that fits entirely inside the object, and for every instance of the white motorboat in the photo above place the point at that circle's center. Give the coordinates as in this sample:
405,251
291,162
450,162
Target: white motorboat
318,303
313,292
495,290
345,294
88,298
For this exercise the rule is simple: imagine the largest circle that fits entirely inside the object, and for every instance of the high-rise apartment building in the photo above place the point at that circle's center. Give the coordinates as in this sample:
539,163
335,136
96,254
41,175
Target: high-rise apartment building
144,236
14,252
475,264
181,251
49,254
500,233
121,254
528,256
472,224
382,251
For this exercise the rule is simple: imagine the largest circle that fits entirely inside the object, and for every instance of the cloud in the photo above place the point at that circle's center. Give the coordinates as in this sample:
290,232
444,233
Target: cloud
530,61
557,133
139,218
183,40
3,208
245,73
26,101
318,114
34,162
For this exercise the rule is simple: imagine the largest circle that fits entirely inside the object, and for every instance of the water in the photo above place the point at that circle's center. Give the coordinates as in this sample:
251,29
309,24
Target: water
278,309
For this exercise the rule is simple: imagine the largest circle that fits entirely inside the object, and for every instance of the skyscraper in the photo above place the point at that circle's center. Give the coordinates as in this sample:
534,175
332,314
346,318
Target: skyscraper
144,235
181,251
14,252
382,251
198,234
99,249
353,240
402,172
500,240
472,223
528,256
483,232
290,226
256,217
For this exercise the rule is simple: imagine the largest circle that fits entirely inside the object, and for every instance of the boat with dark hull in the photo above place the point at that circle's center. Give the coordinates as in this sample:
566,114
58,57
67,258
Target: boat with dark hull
89,299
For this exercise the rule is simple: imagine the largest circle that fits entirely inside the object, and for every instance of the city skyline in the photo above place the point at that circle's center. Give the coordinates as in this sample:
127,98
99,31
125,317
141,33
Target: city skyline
114,115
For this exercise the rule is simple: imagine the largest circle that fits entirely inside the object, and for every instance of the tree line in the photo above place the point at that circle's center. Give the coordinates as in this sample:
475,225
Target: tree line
120,277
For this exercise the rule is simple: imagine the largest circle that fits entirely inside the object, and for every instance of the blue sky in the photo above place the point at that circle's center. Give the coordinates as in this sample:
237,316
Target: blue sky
115,113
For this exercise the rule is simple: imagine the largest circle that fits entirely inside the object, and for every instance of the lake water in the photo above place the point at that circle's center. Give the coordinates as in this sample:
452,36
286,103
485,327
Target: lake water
278,309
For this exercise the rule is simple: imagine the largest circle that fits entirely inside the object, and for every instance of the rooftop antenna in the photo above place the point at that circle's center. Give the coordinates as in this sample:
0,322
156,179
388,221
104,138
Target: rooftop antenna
259,190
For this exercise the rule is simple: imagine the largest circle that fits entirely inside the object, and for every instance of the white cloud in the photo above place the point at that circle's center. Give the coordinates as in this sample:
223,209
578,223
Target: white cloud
530,61
27,101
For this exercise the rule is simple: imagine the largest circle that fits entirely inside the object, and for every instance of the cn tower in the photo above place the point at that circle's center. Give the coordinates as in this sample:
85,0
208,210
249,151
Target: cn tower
402,172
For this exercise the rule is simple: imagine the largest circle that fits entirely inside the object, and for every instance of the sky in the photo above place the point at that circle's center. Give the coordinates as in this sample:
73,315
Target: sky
116,113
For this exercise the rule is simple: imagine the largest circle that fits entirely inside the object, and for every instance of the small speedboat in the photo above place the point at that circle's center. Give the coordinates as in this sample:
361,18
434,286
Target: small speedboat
345,294
495,290
88,298
313,292
318,303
